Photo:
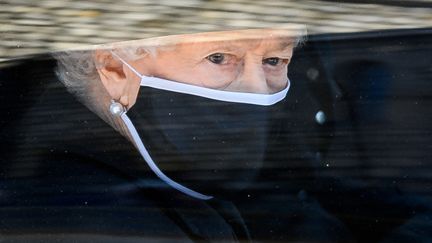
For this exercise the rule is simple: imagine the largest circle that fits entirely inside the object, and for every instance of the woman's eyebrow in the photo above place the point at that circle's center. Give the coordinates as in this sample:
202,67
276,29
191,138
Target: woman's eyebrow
286,44
236,46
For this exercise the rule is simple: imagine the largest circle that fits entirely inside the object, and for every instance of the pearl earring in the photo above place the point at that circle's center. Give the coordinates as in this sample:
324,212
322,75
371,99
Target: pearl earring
116,108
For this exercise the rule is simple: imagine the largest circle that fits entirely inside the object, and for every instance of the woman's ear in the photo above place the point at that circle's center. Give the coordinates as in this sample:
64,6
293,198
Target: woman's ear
111,73
121,82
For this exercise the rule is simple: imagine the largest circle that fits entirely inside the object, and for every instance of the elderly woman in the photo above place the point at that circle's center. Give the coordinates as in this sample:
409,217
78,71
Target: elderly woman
206,100
168,138
167,143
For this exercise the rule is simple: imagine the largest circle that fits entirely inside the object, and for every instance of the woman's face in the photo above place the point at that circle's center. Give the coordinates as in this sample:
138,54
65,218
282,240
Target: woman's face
241,63
252,61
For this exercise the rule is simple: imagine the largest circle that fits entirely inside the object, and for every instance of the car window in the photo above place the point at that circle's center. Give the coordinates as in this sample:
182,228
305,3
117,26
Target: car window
215,121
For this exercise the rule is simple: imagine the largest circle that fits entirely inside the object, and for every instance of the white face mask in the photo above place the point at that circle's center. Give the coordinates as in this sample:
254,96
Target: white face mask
168,85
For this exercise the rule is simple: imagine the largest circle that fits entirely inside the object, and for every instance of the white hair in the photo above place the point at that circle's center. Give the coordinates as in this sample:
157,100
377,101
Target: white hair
77,69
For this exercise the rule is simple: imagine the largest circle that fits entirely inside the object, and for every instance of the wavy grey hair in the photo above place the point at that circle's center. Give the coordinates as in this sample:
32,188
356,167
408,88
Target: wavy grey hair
77,69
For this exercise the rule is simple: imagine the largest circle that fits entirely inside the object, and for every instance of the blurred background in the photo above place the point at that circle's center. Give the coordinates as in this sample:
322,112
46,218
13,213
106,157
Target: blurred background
29,27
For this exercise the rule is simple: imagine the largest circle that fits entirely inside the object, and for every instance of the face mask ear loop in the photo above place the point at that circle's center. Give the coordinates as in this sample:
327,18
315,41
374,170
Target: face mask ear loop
144,153
128,65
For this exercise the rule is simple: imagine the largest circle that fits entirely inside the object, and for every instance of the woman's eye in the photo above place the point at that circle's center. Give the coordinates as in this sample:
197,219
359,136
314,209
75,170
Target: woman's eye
216,58
272,61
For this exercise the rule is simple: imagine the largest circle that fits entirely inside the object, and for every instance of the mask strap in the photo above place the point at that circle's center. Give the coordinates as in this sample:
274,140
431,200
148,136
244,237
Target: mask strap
145,154
128,65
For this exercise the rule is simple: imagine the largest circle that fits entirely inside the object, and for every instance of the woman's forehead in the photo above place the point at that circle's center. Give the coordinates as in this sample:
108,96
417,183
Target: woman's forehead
282,37
238,47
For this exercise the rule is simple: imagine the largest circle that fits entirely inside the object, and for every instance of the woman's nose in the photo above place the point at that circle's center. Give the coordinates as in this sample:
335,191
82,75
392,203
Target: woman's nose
253,78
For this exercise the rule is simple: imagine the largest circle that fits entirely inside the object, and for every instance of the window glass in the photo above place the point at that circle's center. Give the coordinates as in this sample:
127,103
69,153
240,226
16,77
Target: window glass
215,120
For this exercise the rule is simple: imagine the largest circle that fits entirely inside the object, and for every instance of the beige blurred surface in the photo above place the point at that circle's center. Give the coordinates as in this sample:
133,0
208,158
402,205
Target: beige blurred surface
29,27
